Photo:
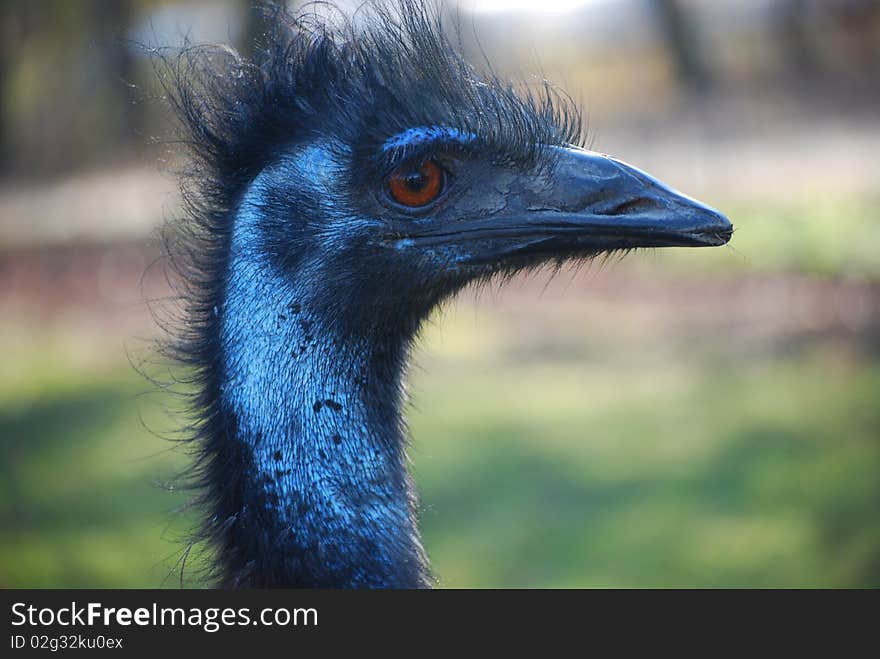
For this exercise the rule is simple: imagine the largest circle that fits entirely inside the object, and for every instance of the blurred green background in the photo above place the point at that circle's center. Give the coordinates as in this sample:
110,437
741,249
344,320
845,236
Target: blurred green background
677,418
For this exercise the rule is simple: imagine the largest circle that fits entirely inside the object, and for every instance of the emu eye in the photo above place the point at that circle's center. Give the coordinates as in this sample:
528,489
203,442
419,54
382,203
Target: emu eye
416,187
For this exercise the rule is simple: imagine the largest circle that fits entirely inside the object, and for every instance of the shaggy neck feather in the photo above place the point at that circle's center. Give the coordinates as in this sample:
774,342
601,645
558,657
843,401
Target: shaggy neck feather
313,420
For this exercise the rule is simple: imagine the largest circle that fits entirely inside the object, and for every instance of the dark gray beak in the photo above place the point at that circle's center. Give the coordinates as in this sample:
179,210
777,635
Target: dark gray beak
588,204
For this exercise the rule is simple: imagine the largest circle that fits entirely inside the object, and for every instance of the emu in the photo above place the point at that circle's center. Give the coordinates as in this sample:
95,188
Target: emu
345,181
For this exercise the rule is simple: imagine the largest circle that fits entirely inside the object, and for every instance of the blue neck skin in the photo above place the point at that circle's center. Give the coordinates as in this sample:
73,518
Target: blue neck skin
325,497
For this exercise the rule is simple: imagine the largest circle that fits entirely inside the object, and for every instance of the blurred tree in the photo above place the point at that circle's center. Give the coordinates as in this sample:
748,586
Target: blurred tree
858,23
839,39
18,19
109,20
682,41
65,85
794,38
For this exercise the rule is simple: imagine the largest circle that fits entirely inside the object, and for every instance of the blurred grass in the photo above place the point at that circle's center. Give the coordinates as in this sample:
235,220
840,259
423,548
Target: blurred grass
631,466
80,497
694,472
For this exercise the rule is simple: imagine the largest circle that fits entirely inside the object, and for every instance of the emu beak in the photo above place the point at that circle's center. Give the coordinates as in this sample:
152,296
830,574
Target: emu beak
592,203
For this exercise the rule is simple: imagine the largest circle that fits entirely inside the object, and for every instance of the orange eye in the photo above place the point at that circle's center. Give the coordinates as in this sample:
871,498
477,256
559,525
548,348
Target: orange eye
416,186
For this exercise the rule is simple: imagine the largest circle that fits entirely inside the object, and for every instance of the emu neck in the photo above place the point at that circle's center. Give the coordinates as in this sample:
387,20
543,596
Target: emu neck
318,492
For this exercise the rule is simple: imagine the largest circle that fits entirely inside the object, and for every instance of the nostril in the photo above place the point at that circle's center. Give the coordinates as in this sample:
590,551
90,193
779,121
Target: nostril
632,206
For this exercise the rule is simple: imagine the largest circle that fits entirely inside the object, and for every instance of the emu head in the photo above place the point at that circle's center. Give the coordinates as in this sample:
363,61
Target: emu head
371,160
344,182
